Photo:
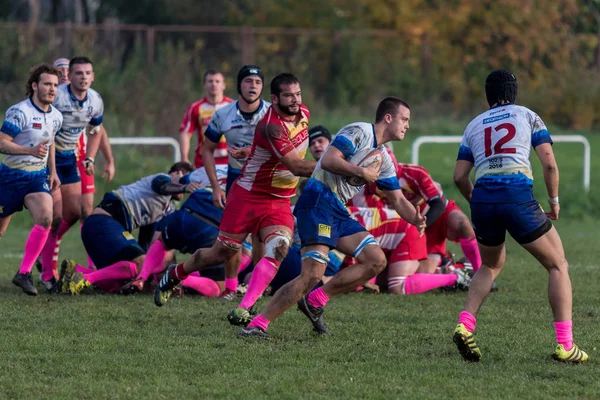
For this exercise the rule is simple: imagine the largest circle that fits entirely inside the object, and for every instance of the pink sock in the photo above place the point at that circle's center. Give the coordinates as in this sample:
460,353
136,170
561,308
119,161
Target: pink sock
468,320
246,260
33,247
204,286
84,270
564,334
231,283
263,274
318,298
471,251
420,283
260,322
154,261
50,251
119,271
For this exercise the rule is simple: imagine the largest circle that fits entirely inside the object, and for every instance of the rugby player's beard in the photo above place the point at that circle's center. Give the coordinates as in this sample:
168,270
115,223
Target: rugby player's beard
286,109
43,98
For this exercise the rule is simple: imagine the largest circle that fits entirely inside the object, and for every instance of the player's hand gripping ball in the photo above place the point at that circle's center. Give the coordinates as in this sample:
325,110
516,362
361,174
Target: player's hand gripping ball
365,158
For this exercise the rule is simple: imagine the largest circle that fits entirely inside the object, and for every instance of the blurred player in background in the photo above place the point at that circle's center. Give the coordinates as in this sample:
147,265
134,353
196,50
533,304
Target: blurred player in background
62,66
318,138
324,222
259,201
198,115
235,123
28,171
81,107
498,144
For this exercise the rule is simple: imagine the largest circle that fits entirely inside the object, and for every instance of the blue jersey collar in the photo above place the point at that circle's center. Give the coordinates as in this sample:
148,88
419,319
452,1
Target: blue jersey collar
80,102
374,137
39,109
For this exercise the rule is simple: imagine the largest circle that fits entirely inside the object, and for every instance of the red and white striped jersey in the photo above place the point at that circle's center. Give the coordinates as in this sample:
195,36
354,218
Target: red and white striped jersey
196,119
383,223
274,138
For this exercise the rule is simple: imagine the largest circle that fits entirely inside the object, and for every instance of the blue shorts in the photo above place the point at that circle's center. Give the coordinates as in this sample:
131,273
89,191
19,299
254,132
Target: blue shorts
183,231
232,175
321,226
107,242
15,184
525,222
66,167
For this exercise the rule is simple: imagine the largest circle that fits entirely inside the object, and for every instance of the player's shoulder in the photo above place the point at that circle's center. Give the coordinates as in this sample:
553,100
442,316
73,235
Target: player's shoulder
304,111
229,108
197,104
413,169
23,106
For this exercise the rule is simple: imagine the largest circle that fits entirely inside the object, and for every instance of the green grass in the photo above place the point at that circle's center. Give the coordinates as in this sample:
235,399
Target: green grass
102,346
382,346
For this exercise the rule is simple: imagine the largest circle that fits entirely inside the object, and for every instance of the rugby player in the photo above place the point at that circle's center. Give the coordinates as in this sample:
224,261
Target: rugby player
28,170
81,106
235,123
498,143
198,115
106,234
324,222
259,200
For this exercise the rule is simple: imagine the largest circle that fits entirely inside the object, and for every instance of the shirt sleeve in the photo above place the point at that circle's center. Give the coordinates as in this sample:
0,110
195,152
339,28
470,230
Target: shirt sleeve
159,181
348,140
97,117
464,151
539,132
426,186
388,180
15,122
213,131
278,138
189,124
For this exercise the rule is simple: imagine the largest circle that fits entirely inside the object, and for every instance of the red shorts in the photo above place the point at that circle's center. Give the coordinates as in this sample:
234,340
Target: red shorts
248,212
87,181
436,233
412,247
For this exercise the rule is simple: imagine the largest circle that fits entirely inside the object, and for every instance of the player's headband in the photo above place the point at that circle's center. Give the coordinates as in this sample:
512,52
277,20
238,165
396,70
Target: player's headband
317,132
61,62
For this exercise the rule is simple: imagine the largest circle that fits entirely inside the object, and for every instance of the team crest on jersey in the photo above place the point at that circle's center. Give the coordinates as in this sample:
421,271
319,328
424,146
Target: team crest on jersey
90,111
325,230
55,124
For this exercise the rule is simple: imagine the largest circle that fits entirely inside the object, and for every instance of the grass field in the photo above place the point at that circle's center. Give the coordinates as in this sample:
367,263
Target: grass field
101,346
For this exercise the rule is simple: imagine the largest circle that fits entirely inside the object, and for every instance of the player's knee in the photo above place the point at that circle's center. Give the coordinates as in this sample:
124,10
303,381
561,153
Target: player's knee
45,222
558,265
377,264
277,245
463,228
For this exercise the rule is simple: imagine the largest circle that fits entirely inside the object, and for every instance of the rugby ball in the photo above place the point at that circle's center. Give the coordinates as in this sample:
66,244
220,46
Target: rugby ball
364,158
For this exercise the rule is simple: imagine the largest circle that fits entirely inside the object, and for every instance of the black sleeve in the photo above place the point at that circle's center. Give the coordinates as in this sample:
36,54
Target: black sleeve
436,209
159,184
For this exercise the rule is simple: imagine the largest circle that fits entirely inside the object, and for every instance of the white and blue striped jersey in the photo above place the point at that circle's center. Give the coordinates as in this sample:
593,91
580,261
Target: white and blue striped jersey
200,176
350,140
28,125
238,131
499,141
77,115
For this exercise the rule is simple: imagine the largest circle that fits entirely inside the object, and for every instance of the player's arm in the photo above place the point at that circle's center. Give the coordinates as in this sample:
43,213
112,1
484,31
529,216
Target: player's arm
282,147
405,209
184,143
436,209
105,148
188,126
53,176
212,138
7,146
464,165
431,193
551,178
334,161
163,185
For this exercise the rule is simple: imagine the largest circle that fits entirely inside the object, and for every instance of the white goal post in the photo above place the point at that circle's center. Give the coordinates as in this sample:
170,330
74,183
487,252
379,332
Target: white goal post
151,141
587,152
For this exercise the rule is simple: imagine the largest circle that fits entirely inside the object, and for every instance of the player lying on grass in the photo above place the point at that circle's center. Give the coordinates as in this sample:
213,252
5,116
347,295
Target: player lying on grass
498,144
106,233
194,226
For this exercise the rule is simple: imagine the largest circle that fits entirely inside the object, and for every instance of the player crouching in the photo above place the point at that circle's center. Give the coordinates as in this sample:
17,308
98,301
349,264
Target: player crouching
106,233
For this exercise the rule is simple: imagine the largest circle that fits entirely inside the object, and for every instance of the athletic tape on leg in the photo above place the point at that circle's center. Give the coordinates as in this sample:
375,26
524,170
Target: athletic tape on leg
317,256
364,243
